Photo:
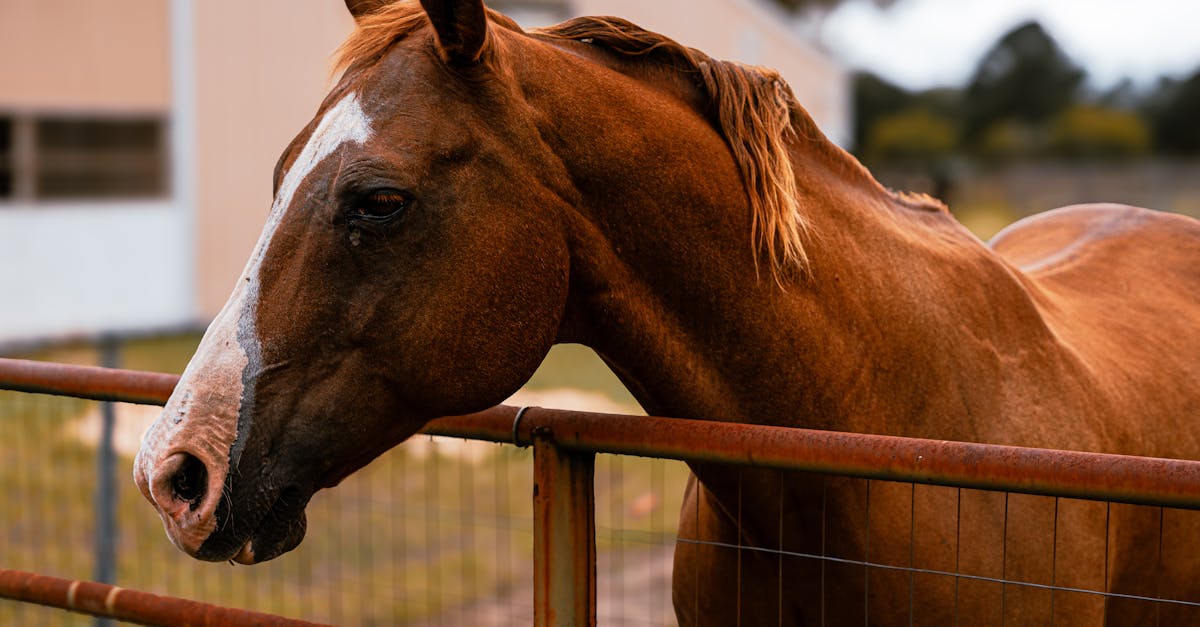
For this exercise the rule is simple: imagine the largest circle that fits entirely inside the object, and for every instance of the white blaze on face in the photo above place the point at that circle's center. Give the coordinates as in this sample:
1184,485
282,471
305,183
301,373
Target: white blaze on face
208,401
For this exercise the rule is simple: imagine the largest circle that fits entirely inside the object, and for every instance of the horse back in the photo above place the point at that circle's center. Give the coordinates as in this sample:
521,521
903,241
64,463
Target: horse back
1119,287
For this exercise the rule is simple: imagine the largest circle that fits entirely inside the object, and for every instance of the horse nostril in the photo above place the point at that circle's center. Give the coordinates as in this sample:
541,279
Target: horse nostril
190,481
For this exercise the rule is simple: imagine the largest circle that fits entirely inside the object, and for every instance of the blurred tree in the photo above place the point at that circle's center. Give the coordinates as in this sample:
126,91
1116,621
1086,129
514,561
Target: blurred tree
1025,77
875,98
1096,132
1124,95
1173,111
917,136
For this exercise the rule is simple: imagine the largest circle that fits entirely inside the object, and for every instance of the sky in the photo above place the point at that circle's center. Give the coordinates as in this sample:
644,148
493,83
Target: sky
927,43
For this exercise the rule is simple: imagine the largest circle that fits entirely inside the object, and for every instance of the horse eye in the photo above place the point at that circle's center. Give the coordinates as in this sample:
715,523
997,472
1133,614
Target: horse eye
379,206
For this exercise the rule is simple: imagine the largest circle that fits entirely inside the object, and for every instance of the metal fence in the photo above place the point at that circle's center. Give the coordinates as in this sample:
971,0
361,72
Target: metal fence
980,565
438,531
384,548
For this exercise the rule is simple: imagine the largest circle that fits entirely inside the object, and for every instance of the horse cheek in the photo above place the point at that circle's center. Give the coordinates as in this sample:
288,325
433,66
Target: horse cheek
498,325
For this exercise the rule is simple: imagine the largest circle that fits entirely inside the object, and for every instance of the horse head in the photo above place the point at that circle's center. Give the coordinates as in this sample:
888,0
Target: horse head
467,195
379,295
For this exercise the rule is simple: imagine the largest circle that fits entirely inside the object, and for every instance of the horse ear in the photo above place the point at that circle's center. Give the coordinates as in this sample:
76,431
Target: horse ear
461,27
359,8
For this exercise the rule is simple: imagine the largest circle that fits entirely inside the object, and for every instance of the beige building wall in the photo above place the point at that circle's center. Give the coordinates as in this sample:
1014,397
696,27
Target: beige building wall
77,55
738,30
262,69
85,265
746,31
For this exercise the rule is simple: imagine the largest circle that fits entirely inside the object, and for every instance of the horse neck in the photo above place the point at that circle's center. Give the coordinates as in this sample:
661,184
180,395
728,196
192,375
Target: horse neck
899,300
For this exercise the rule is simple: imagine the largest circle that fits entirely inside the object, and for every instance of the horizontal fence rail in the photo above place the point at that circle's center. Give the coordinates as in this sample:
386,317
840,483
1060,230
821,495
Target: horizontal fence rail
132,606
1073,474
90,382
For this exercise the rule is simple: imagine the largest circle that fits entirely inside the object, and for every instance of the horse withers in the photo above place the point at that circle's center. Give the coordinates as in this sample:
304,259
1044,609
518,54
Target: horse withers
470,194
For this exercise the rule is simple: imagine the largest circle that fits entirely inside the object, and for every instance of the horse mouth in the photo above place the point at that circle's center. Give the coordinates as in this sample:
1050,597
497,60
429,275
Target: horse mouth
281,529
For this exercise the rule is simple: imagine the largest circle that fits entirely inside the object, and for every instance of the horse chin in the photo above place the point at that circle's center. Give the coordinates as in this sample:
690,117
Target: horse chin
269,542
281,529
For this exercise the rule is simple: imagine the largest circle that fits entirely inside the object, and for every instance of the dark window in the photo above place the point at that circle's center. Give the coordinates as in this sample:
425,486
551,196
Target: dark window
6,157
79,158
60,157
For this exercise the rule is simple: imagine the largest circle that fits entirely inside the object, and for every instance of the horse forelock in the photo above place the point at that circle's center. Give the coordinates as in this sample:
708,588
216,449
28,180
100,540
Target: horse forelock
376,32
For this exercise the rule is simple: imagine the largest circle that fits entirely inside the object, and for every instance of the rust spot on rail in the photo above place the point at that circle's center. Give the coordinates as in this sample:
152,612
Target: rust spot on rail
133,606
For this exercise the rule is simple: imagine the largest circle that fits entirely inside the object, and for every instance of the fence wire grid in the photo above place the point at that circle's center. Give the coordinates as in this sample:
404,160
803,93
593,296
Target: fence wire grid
916,554
436,532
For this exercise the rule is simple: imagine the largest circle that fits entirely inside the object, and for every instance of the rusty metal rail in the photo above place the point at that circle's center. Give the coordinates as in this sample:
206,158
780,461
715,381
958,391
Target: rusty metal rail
99,384
1073,474
132,606
1098,476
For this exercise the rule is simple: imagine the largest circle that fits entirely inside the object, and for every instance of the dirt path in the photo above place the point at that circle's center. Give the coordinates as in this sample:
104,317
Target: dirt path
632,588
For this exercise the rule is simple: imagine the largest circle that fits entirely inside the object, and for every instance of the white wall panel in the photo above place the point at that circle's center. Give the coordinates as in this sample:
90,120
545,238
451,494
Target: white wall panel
90,268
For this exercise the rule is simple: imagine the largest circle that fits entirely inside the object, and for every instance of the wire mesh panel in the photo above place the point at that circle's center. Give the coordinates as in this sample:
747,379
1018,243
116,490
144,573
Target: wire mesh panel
886,553
637,505
46,521
428,529
478,519
436,532
637,511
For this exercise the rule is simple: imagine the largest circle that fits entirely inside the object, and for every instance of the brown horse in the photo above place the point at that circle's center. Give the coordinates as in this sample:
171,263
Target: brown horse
470,194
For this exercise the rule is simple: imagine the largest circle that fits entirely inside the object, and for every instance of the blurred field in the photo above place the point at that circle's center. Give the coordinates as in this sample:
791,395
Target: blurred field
988,199
429,531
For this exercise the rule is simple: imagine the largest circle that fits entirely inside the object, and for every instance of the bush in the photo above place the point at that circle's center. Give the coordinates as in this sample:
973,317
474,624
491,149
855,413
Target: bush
914,135
1172,111
1008,140
1092,132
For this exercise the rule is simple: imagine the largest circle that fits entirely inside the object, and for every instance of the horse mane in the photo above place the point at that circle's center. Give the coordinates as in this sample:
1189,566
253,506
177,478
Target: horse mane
752,107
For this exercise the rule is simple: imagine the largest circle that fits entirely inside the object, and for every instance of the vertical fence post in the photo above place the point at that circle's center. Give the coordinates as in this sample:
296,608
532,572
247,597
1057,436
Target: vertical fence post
105,567
564,536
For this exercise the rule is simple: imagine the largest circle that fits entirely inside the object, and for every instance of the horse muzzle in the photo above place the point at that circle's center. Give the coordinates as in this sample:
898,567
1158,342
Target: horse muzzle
203,522
186,490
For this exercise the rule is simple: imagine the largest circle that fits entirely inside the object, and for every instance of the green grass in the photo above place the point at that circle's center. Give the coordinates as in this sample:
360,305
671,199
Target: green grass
404,539
986,219
577,367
